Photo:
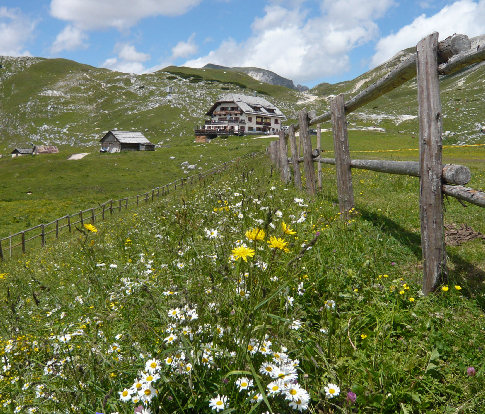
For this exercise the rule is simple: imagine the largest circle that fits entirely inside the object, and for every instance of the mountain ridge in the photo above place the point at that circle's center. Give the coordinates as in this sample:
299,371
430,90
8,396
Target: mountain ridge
263,75
62,102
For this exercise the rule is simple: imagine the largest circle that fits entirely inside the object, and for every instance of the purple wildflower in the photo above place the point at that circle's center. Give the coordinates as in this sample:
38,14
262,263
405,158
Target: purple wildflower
351,397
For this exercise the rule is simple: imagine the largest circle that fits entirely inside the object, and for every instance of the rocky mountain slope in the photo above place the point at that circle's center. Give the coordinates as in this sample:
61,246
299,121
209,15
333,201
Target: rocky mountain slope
262,75
61,102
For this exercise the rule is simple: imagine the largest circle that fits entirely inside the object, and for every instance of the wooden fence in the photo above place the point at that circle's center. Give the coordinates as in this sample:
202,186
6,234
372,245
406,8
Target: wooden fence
19,242
432,58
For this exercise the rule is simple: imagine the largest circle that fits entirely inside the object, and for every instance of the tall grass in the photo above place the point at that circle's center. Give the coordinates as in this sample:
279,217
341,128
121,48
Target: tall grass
245,296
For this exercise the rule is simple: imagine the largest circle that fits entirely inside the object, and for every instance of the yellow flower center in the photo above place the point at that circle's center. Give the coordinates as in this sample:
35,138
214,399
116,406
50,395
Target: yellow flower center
293,391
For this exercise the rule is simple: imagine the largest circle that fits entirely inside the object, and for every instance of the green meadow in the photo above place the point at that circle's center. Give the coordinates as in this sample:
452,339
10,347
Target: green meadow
239,294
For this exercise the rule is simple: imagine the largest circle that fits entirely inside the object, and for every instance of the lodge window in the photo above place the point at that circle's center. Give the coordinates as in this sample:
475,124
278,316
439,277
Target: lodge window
276,121
250,118
250,129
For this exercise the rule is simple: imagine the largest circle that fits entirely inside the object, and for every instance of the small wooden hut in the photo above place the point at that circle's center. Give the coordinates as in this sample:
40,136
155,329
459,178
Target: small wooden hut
116,141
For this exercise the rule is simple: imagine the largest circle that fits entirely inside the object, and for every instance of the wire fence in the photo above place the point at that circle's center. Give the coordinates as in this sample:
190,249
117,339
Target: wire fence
20,242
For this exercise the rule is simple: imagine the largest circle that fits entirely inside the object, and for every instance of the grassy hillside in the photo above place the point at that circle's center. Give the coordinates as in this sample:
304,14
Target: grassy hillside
60,102
165,308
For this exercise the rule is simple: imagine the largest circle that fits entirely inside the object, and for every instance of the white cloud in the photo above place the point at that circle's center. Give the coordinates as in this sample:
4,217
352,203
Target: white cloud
185,49
15,31
129,53
120,14
71,38
464,16
297,45
129,60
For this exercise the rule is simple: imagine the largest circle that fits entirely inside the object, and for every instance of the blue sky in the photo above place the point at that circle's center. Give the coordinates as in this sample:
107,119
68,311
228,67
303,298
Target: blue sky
308,41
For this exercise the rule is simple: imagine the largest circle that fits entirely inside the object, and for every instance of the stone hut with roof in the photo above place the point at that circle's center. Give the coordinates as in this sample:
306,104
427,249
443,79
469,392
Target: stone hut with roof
117,141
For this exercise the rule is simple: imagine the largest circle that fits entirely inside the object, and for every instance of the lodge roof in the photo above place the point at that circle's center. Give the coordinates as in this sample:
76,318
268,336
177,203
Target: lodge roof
46,149
128,137
254,105
22,151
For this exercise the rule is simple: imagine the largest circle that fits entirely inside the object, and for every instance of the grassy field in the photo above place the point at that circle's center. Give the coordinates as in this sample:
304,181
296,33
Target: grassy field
245,295
36,190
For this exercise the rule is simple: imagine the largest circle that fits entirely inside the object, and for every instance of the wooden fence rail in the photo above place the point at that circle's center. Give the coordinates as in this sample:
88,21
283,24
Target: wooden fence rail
19,242
432,58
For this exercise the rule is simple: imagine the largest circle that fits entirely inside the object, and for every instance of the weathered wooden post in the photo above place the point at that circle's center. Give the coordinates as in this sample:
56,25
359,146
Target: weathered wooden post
430,159
1,251
283,150
57,228
307,152
111,207
342,154
319,148
93,216
81,217
42,235
23,241
102,214
69,223
294,157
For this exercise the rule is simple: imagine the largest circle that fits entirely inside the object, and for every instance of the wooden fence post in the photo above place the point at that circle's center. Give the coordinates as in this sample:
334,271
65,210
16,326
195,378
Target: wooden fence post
285,167
319,148
307,152
69,222
81,217
342,154
119,204
430,158
111,207
1,251
294,157
57,228
23,242
42,235
93,216
102,214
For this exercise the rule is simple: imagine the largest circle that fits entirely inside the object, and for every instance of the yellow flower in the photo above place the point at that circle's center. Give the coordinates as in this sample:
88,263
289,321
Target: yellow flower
363,336
444,288
255,234
3,275
242,252
401,292
457,287
411,299
90,228
287,229
278,243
